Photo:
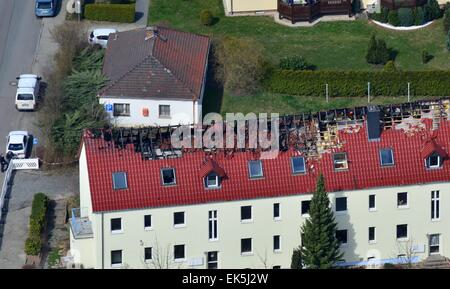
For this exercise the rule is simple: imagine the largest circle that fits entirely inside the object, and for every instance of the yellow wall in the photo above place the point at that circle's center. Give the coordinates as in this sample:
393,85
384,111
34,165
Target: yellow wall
249,5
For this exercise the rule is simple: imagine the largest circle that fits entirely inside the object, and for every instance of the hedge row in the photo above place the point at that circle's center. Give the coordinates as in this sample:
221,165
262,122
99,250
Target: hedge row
33,244
124,13
354,83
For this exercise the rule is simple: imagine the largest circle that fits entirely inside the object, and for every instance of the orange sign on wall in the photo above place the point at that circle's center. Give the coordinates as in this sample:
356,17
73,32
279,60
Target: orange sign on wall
145,112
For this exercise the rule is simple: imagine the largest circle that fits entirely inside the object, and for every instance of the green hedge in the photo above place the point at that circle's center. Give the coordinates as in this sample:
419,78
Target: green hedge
354,83
124,13
37,224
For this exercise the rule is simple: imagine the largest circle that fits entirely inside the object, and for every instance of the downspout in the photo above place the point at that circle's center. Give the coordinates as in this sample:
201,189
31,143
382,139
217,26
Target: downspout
231,7
103,246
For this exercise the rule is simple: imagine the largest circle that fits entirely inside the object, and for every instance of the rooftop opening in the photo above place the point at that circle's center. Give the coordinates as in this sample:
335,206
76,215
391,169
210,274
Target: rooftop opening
120,181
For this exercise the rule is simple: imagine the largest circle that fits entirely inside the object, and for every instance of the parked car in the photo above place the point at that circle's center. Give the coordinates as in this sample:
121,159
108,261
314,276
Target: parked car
17,143
101,36
45,8
27,93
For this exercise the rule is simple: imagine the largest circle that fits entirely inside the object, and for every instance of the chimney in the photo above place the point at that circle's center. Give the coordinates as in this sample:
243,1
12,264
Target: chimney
373,123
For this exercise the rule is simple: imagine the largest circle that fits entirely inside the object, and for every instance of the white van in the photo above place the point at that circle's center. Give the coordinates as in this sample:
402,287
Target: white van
27,91
100,36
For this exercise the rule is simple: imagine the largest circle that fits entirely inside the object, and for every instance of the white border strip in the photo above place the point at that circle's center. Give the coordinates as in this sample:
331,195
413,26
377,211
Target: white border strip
401,28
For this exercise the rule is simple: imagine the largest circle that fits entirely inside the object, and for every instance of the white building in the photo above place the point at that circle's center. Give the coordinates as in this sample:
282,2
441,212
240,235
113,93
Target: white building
156,77
388,188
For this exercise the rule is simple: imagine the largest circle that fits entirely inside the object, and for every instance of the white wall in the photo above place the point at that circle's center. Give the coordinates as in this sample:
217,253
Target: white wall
182,112
194,235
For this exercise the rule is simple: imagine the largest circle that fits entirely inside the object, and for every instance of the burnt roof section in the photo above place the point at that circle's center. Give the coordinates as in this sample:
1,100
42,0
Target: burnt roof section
155,62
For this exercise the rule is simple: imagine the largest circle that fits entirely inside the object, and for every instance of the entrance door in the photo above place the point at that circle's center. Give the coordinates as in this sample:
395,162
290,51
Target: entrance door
212,260
434,243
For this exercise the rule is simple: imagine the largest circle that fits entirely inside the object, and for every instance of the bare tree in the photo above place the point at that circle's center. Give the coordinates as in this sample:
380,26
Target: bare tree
264,259
406,251
162,257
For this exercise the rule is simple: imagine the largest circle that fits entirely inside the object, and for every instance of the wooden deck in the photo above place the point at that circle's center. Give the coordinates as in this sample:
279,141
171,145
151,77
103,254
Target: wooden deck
313,10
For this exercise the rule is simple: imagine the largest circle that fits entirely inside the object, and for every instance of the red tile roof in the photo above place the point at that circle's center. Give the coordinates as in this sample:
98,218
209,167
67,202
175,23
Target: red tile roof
364,171
164,64
209,166
430,147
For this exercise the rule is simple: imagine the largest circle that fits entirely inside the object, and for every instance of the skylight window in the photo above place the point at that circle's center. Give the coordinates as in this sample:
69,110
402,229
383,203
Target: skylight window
168,176
255,169
386,157
340,161
120,181
298,165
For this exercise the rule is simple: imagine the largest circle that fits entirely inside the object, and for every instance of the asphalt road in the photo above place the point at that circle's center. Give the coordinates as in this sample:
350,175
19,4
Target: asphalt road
19,35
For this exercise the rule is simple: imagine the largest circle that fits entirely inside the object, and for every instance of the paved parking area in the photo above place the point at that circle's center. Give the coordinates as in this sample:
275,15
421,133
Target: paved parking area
57,185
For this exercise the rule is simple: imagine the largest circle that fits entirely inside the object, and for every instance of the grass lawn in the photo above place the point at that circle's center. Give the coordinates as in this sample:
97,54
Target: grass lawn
328,45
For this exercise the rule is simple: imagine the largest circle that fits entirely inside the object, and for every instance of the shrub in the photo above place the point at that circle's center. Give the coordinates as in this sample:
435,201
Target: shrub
377,53
393,18
294,63
389,266
446,20
206,18
33,245
419,16
405,16
124,13
390,66
384,14
435,10
425,56
427,13
354,83
241,64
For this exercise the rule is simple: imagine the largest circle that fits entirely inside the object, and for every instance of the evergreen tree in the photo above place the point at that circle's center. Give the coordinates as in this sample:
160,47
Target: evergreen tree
446,20
382,52
296,261
434,9
371,56
320,248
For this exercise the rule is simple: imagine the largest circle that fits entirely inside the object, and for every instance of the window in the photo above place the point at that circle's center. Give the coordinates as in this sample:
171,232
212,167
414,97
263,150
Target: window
340,161
341,236
147,221
402,200
246,213
212,225
435,203
433,161
276,211
246,246
164,111
116,225
302,237
168,176
255,169
213,260
386,157
305,207
372,203
178,252
120,181
276,243
121,109
116,258
341,204
371,234
212,181
178,219
147,253
402,231
298,165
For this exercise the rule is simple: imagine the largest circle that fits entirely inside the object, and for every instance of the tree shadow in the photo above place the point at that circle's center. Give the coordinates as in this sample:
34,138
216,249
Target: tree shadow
393,54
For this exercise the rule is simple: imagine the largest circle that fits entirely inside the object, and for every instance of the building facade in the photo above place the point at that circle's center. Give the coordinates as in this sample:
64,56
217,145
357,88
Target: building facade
387,186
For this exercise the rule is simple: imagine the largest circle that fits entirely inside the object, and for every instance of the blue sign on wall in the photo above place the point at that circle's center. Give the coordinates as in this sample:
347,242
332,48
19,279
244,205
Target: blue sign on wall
108,107
35,141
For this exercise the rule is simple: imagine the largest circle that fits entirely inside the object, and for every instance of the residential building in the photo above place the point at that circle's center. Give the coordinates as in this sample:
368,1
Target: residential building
156,75
386,170
310,10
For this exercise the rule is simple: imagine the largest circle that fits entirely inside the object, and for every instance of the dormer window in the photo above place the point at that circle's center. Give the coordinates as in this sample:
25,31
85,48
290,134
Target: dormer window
340,161
433,161
168,176
212,181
